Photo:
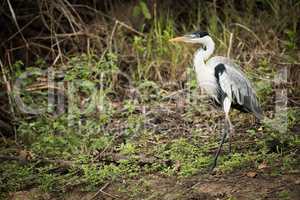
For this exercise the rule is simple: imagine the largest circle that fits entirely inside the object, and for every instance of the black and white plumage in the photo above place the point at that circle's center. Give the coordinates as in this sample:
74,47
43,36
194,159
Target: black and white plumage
223,81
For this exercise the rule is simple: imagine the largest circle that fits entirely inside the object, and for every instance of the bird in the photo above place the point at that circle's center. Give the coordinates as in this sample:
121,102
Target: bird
223,81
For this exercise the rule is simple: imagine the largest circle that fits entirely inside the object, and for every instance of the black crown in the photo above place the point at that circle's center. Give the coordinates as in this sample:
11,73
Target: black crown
200,34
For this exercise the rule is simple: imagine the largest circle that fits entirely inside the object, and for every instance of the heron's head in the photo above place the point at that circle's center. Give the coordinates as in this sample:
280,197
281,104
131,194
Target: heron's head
195,37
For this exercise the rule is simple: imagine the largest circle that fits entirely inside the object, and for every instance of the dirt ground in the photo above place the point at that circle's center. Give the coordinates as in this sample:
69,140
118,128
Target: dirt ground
240,185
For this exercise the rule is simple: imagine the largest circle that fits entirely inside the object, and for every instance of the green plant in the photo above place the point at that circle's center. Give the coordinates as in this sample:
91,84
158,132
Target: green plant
142,8
284,195
291,39
15,177
95,175
236,161
127,149
186,158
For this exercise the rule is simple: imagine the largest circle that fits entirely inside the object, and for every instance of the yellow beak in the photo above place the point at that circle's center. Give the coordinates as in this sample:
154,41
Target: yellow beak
177,39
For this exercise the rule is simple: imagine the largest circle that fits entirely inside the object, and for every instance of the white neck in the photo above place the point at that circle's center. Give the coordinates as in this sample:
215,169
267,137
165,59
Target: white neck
201,54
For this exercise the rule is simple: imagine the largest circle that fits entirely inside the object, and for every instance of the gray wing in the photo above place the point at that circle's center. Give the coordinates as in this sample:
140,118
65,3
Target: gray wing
237,87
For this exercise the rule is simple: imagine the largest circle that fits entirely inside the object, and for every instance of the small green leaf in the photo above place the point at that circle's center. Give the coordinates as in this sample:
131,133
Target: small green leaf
145,10
136,11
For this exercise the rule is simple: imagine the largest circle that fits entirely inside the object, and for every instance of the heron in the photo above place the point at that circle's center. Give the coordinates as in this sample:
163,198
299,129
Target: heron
223,81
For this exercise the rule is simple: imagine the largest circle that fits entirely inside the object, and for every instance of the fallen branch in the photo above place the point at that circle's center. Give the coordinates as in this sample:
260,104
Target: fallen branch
22,160
107,157
101,190
9,95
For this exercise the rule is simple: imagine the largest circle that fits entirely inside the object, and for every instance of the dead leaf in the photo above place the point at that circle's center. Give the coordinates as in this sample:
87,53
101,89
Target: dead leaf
116,104
251,174
262,166
25,155
177,165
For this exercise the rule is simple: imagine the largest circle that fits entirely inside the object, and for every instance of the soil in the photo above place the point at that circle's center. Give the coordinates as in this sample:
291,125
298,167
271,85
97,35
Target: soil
239,185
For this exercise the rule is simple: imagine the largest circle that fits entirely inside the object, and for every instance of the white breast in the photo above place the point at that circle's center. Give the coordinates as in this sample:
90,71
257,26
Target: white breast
207,81
206,76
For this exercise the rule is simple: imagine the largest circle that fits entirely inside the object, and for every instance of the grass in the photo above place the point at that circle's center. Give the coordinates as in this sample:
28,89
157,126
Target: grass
123,123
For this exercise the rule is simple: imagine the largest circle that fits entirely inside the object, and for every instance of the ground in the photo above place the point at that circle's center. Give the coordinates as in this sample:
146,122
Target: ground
237,185
171,162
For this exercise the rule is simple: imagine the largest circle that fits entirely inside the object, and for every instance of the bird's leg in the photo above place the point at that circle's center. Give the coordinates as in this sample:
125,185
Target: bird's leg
230,132
220,146
226,107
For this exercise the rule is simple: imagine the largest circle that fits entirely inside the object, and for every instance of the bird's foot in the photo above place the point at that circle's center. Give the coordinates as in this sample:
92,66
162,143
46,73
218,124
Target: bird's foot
213,166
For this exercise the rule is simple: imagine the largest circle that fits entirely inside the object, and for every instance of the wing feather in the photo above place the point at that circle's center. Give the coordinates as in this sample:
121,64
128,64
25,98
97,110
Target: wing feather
238,88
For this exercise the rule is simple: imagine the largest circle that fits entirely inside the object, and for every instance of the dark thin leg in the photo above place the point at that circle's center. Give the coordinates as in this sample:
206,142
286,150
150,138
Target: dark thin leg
220,147
229,145
231,131
229,141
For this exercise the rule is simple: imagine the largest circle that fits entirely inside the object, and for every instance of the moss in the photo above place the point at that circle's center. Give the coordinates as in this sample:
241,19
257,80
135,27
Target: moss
236,161
15,177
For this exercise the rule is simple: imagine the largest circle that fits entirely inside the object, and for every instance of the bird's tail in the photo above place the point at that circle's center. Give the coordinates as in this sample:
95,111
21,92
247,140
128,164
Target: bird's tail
257,111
